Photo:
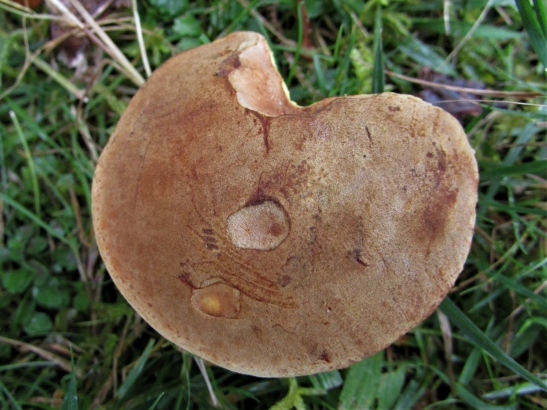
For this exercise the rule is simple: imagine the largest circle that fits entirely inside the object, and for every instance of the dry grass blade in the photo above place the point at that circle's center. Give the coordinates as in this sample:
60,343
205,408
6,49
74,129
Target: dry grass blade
140,39
491,93
109,45
203,370
44,354
474,91
448,346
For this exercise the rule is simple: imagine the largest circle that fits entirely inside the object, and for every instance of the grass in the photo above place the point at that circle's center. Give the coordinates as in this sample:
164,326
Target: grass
69,340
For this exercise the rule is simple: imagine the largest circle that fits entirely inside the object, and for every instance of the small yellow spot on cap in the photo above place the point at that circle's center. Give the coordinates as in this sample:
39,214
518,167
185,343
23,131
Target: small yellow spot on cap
211,305
218,300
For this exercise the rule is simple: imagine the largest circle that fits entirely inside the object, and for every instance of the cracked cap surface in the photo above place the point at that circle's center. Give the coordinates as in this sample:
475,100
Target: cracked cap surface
278,240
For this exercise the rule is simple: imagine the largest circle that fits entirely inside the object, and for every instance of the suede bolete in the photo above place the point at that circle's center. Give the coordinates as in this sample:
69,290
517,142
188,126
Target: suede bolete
273,239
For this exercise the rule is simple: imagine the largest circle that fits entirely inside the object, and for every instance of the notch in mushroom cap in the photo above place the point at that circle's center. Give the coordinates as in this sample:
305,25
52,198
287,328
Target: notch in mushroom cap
273,239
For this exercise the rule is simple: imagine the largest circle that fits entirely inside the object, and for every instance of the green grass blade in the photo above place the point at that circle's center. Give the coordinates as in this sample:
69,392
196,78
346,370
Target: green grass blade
338,42
425,55
411,394
244,13
527,168
57,76
437,25
30,162
540,6
391,386
70,398
479,339
290,400
341,85
294,64
509,283
534,320
38,221
532,24
136,370
470,367
319,74
473,401
524,136
378,76
361,384
327,380
510,208
477,403
153,406
520,389
9,397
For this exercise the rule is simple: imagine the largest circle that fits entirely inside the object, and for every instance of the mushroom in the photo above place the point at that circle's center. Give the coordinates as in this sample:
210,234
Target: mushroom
273,239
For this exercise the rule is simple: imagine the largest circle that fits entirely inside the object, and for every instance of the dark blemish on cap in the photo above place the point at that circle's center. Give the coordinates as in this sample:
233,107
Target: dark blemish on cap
325,356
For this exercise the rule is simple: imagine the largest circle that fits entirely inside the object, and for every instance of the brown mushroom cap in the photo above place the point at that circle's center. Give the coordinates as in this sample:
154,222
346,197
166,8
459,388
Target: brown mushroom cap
278,240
